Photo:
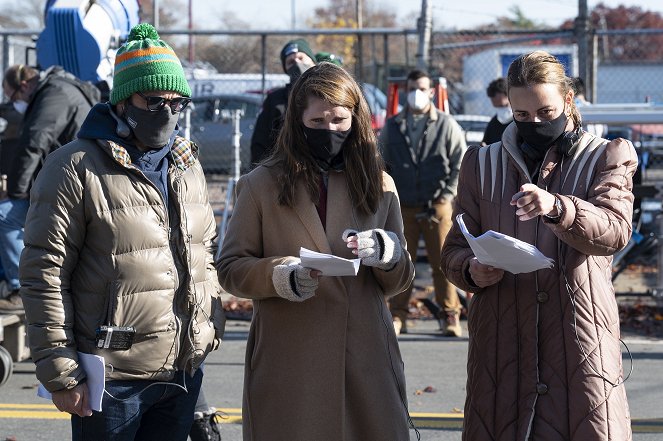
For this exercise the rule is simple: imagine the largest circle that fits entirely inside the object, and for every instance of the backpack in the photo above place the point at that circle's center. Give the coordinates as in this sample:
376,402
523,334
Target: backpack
91,92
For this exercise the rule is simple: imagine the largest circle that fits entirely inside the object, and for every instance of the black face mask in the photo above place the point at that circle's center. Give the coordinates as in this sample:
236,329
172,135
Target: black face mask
296,71
326,146
541,135
153,129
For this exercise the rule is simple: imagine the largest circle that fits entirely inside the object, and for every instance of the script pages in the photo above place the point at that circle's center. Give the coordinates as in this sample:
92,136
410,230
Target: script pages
327,264
501,251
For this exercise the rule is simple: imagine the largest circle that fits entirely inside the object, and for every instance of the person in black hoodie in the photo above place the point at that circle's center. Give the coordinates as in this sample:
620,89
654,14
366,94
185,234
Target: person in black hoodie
296,58
54,108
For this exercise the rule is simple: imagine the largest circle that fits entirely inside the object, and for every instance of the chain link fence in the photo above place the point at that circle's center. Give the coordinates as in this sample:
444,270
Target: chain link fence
231,70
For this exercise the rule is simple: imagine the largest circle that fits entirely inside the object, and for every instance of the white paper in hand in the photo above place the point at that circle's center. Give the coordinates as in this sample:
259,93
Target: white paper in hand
328,264
501,251
93,365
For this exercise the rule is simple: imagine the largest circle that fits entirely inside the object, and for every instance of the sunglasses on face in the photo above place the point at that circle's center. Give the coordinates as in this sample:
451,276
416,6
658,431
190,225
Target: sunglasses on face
156,103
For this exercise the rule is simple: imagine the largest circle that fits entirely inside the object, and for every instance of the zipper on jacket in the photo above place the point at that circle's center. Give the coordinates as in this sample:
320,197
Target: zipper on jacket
174,271
191,300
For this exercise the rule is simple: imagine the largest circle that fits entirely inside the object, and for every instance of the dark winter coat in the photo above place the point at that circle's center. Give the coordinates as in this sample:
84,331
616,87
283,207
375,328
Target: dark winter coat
268,125
428,171
55,113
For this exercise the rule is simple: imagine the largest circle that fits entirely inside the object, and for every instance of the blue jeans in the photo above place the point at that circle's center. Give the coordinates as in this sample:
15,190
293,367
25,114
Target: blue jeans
12,221
160,412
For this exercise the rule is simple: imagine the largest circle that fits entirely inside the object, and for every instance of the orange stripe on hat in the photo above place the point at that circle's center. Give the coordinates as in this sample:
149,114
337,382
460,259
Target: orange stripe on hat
142,63
143,52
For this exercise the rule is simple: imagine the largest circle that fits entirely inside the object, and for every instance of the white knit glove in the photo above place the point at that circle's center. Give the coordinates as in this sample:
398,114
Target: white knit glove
294,282
378,248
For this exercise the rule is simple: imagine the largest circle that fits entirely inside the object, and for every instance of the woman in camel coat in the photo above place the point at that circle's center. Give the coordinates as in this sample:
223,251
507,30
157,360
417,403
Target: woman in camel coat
322,359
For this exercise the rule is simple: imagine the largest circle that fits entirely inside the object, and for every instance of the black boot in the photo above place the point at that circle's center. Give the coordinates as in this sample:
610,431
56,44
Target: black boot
205,426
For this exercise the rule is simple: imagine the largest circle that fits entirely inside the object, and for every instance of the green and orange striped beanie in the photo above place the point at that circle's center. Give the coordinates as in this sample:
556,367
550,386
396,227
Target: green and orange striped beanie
146,63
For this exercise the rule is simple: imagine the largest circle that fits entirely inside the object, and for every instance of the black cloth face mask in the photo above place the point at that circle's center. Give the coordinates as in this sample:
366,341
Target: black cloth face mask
153,129
541,135
326,146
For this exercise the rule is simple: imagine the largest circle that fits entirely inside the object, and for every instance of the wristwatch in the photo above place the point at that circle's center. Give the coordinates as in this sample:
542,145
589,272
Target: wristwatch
560,210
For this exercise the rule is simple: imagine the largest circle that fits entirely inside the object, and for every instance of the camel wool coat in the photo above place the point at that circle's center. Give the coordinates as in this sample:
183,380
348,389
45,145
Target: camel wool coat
328,368
544,348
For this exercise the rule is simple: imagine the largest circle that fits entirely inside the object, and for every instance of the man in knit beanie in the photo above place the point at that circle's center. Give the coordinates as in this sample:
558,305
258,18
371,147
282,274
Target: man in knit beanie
118,259
296,52
296,57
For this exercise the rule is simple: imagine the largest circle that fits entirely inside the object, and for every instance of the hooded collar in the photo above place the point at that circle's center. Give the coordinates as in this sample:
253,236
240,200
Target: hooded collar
184,153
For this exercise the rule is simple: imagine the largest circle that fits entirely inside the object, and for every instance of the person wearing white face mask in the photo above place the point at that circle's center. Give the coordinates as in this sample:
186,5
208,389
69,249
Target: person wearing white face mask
423,148
53,110
496,91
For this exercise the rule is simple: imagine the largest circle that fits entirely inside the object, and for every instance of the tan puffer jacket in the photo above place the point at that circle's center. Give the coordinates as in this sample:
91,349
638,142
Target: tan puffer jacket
543,355
100,248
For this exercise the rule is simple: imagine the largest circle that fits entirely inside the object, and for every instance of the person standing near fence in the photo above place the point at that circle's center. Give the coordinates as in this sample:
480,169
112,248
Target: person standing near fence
423,148
581,101
120,242
53,109
544,360
321,352
496,91
296,57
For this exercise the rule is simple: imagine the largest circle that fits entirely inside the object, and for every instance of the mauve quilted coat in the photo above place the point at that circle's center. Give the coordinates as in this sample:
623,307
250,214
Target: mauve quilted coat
544,348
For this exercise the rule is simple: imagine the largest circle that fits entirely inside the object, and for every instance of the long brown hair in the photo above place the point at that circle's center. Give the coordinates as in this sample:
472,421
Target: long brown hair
539,67
362,160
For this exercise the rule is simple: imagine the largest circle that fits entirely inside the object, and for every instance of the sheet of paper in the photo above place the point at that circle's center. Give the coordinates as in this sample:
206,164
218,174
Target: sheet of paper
93,365
505,252
328,264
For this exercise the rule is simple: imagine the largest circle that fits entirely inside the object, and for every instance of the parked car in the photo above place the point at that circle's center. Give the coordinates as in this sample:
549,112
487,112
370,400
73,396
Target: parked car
212,129
474,127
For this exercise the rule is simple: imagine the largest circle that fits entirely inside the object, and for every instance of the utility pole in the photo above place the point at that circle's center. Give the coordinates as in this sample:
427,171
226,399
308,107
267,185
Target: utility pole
360,52
424,26
581,34
191,42
155,14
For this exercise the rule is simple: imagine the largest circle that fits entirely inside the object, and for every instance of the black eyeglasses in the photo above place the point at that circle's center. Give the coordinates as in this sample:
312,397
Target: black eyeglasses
156,103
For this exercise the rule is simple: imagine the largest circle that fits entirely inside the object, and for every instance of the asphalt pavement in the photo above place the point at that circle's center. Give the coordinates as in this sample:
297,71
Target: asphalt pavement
434,368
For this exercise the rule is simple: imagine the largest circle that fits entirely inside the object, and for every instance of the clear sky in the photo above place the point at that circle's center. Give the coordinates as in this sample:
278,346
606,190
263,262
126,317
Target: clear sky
277,14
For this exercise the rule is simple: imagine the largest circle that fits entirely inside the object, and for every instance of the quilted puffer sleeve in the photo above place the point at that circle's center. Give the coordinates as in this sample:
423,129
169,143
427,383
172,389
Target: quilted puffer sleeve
601,225
456,253
54,234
